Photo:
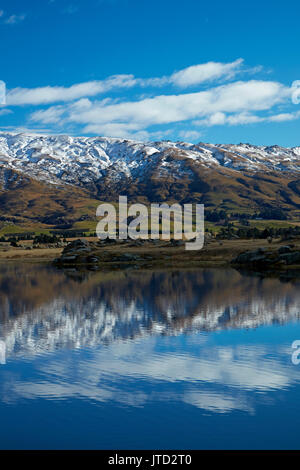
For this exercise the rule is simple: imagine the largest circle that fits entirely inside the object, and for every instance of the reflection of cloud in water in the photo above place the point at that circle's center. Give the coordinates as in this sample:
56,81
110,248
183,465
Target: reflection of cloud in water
220,379
216,402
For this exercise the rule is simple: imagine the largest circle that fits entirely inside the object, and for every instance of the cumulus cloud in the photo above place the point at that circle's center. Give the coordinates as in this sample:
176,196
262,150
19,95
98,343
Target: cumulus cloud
238,97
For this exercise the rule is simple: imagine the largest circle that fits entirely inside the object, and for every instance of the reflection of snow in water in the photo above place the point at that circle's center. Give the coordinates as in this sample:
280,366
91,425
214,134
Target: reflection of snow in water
64,323
2,352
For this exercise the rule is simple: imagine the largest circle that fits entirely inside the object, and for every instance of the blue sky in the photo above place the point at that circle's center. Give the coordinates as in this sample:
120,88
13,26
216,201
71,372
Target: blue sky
221,72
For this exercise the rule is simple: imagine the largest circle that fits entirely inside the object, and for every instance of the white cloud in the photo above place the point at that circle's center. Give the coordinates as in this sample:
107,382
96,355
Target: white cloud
285,117
197,74
26,130
213,120
48,94
244,118
4,112
238,97
164,109
122,130
219,119
49,116
189,135
233,103
194,75
14,19
1,13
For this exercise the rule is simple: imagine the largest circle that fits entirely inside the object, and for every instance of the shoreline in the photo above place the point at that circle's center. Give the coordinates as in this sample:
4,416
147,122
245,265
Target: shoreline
139,255
215,253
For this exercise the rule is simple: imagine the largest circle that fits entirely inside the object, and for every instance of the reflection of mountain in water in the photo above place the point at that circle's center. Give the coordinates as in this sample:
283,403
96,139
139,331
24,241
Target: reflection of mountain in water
42,309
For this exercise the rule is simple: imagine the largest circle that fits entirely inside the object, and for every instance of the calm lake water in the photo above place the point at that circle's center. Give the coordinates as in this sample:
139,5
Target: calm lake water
162,360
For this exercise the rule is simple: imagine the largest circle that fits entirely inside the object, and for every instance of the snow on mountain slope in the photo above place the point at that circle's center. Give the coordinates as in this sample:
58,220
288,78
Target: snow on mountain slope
80,160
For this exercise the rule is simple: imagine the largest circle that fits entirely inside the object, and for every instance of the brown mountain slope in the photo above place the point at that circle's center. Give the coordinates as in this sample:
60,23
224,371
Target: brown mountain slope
25,200
216,187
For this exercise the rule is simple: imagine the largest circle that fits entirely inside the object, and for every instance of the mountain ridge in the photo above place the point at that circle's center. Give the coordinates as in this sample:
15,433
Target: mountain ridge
61,157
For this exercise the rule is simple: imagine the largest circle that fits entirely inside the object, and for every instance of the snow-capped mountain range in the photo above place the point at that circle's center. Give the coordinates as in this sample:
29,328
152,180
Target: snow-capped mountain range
79,160
58,179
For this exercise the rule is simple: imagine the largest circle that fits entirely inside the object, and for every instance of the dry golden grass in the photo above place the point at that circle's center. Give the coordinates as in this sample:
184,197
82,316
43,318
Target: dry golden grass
216,253
43,254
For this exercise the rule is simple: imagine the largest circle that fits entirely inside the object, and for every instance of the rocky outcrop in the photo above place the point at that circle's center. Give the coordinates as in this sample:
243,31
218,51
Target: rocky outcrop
78,251
111,254
264,259
94,254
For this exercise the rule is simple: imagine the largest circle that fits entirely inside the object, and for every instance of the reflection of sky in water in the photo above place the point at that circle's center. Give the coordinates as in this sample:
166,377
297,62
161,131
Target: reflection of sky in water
128,375
208,375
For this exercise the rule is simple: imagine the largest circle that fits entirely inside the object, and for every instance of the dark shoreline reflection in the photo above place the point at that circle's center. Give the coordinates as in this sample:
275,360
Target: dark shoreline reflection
43,309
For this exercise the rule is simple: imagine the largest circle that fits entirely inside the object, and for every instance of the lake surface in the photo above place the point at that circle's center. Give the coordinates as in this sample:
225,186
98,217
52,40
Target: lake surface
158,360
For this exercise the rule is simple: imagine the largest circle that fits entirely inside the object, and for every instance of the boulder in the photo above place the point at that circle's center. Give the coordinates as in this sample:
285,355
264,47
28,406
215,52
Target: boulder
78,246
284,249
68,259
266,259
291,258
92,259
250,257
